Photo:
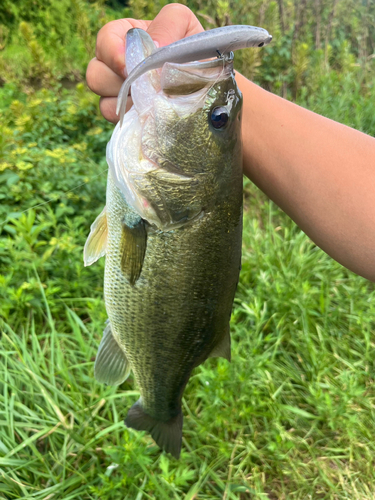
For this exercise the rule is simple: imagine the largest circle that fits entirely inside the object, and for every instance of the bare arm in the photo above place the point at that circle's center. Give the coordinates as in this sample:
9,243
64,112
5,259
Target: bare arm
321,173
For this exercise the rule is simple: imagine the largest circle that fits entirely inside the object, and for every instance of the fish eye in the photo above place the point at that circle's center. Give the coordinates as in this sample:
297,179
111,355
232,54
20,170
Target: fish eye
219,117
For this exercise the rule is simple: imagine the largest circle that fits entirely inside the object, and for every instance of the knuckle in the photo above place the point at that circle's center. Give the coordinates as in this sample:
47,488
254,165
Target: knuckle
104,29
178,7
107,108
91,79
118,66
110,35
100,39
103,106
102,36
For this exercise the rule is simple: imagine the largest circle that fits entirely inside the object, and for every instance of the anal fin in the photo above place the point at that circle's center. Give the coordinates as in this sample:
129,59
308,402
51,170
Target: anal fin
133,250
111,364
222,348
167,435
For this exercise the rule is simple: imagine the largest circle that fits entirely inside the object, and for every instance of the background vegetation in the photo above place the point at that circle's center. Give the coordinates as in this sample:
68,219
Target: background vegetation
293,416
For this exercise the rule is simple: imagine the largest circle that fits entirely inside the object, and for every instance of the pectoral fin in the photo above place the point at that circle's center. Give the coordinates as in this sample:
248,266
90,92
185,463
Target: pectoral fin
111,364
134,241
222,349
96,243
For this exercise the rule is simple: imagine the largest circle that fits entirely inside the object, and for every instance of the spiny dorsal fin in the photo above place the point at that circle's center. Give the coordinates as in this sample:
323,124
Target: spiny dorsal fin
134,241
222,348
96,243
111,364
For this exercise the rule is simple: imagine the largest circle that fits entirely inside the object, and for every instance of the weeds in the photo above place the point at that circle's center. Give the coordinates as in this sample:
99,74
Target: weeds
292,417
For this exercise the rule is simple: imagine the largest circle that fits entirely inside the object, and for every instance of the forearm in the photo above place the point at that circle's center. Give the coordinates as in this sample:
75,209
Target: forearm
321,173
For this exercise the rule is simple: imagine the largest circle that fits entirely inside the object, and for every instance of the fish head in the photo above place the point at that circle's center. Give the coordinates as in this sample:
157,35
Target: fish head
197,117
175,152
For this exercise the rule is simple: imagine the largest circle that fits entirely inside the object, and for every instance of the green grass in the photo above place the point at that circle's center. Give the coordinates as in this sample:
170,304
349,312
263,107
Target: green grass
293,415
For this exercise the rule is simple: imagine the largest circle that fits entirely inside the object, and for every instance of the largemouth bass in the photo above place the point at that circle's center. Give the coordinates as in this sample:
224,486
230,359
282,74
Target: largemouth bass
171,232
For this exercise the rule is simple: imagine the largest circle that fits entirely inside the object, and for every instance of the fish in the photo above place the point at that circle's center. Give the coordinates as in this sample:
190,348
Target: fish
171,232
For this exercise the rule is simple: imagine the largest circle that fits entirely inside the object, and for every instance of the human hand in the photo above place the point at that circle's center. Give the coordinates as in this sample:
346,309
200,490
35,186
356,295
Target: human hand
106,72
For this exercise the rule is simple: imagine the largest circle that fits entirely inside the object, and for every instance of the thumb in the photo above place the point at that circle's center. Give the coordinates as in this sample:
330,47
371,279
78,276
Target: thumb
174,21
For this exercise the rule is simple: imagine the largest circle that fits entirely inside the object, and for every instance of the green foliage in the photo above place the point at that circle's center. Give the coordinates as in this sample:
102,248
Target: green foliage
293,415
347,98
337,33
51,158
44,41
51,40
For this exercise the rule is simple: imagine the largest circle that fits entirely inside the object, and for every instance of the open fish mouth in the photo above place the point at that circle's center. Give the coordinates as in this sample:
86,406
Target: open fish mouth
161,98
201,46
186,85
184,79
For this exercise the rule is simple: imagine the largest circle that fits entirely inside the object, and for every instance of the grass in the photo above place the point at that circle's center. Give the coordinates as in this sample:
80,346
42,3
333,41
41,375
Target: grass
292,417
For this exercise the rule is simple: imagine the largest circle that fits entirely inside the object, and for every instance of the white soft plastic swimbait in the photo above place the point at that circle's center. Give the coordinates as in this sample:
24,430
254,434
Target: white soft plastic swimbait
205,45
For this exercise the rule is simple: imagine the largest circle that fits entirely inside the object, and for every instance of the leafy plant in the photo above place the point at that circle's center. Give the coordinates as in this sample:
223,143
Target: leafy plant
293,415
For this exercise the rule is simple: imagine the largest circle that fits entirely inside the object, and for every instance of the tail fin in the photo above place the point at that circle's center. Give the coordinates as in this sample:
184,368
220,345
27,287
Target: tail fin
167,435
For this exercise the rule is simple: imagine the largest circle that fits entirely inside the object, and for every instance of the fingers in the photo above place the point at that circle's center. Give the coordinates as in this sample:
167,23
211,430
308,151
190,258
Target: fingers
174,21
107,107
102,80
110,44
106,72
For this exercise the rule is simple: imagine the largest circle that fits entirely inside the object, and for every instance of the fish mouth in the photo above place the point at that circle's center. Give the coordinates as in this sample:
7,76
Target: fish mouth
188,78
136,153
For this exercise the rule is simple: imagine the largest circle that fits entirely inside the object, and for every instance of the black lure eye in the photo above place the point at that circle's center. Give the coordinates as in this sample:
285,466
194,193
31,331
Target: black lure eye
219,117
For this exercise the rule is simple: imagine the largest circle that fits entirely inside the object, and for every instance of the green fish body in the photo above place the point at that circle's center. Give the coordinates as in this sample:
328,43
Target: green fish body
171,232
